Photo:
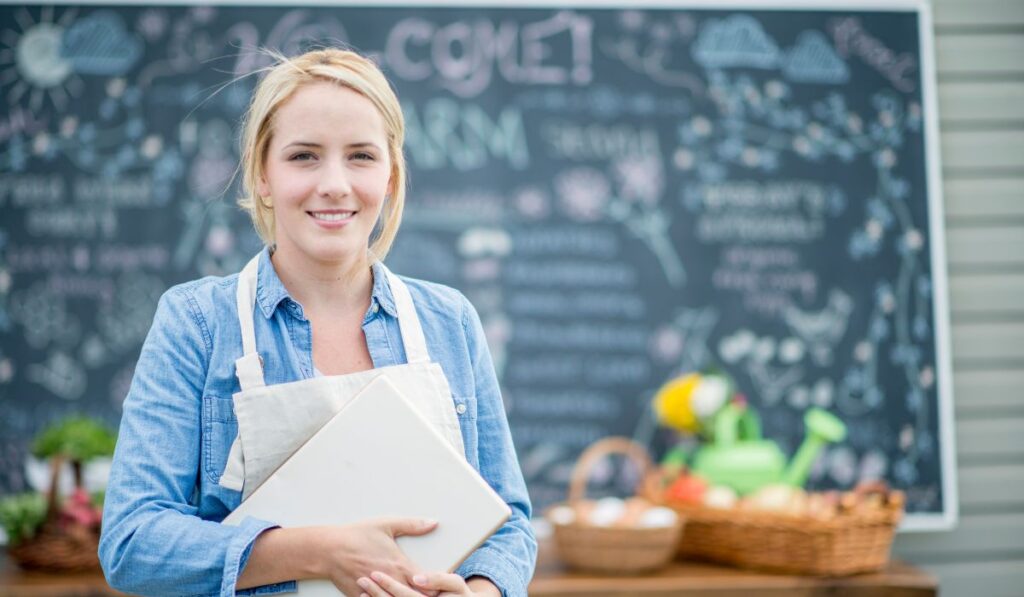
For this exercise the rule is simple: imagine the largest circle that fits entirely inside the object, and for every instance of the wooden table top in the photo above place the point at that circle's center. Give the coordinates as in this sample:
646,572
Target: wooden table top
554,580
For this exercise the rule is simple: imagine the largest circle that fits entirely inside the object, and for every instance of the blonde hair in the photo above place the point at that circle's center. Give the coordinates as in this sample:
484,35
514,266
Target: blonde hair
282,80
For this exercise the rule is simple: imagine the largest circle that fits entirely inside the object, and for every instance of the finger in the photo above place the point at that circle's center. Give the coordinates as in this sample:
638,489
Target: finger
394,587
371,588
409,526
439,581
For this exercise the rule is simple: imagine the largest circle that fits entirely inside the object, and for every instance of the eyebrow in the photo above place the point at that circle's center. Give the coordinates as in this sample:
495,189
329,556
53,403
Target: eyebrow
360,145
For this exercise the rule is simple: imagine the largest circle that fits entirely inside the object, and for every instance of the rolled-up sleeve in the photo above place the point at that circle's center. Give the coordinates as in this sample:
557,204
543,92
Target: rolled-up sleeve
153,541
509,556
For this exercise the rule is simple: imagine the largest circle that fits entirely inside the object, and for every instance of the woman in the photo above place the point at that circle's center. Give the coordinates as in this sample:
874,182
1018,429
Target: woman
324,176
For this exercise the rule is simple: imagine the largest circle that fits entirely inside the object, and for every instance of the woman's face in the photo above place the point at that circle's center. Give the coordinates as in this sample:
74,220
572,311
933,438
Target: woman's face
327,172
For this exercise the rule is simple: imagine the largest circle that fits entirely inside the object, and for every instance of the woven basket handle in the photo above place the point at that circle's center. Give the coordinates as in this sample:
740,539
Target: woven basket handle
597,451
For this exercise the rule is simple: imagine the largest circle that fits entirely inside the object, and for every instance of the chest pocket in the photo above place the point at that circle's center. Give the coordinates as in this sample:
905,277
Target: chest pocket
219,430
465,410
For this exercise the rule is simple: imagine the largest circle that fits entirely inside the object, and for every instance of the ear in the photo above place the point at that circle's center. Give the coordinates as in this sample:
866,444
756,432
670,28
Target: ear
391,184
262,188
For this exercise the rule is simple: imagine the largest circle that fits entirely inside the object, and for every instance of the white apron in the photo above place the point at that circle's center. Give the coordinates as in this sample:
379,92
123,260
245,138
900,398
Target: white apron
274,421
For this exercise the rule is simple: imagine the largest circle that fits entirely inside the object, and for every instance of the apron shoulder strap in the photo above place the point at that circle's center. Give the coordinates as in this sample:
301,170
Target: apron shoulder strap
408,322
249,368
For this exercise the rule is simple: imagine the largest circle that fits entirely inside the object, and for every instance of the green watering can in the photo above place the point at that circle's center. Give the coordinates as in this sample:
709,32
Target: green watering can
741,459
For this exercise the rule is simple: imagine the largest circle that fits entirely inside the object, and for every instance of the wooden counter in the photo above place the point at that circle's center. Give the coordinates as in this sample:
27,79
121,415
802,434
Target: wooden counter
692,578
553,580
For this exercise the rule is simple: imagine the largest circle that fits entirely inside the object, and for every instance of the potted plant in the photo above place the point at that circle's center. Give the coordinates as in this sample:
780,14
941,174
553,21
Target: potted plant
45,533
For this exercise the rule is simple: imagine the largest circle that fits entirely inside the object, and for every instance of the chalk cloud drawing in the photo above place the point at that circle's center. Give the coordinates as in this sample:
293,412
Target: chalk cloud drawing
814,60
101,45
735,41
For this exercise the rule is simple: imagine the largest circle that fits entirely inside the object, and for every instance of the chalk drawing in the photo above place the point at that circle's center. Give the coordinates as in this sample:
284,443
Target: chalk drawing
736,41
583,193
651,51
99,44
152,24
62,375
814,60
823,329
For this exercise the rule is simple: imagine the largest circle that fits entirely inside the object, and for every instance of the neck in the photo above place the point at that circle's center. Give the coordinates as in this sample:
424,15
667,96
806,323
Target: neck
325,286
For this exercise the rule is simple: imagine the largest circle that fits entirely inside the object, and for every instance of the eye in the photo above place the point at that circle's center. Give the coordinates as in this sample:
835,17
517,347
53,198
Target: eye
364,156
302,157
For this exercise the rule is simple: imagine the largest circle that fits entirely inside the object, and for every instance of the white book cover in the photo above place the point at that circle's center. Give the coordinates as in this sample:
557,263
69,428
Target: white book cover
378,457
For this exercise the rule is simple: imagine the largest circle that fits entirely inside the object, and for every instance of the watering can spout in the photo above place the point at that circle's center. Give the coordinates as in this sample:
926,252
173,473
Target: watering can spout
822,428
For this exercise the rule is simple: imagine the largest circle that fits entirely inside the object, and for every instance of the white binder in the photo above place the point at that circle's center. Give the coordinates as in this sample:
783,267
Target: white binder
378,457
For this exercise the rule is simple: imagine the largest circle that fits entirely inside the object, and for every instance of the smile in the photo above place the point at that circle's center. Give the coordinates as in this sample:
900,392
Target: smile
331,216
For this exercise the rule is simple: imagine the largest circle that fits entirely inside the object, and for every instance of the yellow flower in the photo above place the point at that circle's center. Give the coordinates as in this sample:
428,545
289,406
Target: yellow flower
673,403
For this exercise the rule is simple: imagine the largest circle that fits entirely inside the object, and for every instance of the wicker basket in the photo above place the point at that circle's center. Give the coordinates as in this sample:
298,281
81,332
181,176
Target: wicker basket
612,549
58,546
52,550
851,542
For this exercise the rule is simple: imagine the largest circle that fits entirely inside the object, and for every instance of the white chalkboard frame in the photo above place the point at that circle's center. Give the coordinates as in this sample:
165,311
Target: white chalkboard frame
940,521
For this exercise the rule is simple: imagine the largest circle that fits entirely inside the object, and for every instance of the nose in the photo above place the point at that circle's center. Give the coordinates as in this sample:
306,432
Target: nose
334,180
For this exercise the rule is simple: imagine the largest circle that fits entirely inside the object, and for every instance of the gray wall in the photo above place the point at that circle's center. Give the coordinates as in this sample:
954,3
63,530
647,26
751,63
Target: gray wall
980,62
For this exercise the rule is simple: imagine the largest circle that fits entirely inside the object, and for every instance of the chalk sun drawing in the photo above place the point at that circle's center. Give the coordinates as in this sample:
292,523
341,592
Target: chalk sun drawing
34,60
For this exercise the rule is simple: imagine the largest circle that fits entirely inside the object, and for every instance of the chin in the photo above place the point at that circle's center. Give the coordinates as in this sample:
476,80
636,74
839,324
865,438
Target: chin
333,251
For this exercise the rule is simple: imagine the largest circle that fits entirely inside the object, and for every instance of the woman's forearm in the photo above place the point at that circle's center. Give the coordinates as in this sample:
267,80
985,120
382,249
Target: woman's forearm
281,555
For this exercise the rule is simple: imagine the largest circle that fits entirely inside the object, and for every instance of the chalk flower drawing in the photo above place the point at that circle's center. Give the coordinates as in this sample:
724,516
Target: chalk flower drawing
583,193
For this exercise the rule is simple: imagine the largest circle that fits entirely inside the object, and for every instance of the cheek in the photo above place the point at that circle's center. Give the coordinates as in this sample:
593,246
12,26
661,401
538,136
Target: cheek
375,188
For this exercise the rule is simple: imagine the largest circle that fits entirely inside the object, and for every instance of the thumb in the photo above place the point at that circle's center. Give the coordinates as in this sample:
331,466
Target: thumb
410,526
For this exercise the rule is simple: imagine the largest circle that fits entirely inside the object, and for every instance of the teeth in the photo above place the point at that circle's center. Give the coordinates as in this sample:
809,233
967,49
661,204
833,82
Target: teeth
332,217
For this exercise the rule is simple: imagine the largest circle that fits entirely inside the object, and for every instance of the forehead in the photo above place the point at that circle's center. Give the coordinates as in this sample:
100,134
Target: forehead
323,107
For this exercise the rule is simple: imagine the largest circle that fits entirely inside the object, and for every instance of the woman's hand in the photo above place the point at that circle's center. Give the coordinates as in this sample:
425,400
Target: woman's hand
379,584
353,551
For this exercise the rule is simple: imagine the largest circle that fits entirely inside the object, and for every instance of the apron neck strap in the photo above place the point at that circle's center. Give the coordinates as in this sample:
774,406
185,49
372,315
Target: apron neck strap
412,333
249,368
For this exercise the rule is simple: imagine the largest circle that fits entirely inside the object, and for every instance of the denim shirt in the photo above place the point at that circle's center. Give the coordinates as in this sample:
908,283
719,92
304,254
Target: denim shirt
161,519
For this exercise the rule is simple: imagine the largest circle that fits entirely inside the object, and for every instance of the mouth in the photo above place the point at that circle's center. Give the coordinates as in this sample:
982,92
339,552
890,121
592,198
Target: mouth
332,215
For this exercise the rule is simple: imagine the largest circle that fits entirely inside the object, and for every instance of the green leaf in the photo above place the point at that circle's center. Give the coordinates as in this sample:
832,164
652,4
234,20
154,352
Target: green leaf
77,439
22,515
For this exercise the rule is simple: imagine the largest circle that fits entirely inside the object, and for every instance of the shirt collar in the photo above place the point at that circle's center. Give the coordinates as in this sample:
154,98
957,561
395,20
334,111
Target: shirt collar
270,291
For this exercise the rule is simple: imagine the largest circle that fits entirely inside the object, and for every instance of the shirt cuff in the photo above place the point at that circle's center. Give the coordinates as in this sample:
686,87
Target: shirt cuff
492,565
238,555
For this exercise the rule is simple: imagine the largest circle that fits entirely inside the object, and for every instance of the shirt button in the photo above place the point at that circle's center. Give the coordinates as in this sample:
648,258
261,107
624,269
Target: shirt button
376,307
461,409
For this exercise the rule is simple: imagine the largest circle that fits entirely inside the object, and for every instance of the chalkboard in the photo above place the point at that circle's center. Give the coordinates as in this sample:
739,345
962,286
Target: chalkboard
623,194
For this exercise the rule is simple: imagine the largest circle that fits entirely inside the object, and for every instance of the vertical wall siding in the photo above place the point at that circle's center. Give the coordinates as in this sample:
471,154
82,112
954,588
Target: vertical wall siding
980,61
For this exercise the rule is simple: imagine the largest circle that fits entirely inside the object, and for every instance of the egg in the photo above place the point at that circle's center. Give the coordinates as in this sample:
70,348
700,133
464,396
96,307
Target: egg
657,517
562,515
635,507
607,511
720,496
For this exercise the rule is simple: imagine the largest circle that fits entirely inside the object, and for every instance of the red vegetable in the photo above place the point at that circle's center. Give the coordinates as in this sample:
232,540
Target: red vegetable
687,488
